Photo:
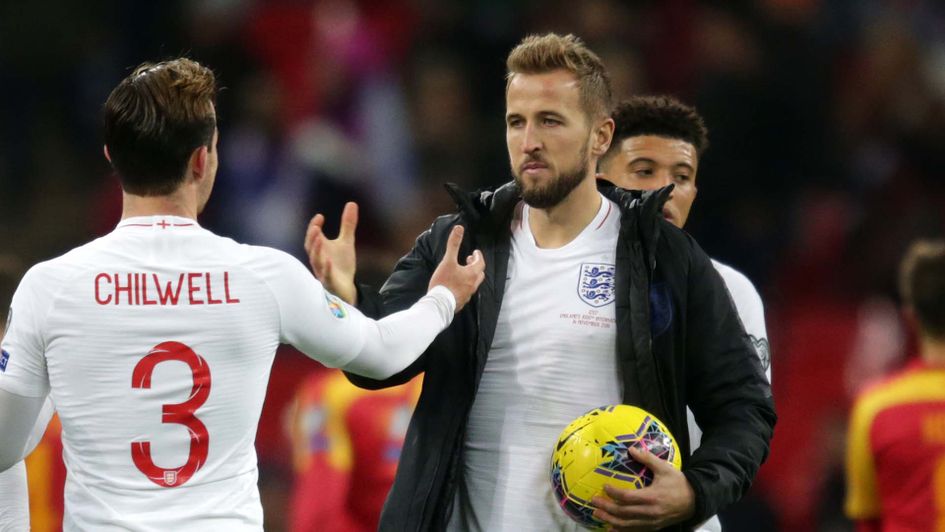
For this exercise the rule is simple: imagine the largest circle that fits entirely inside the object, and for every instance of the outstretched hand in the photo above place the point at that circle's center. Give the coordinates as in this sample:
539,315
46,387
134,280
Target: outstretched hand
461,280
333,260
668,500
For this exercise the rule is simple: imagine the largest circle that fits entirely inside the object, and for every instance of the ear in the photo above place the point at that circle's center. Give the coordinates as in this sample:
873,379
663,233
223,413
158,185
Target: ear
198,162
602,136
108,156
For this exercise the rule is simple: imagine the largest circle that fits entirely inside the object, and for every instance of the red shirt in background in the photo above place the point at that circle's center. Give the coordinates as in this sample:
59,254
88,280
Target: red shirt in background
346,445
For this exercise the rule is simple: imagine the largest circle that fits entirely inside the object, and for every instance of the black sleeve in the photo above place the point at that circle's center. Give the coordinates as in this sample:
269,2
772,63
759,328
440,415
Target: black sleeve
727,392
405,286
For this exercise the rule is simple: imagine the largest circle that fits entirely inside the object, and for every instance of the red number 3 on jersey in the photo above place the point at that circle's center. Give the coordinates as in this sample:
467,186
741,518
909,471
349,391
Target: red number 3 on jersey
181,413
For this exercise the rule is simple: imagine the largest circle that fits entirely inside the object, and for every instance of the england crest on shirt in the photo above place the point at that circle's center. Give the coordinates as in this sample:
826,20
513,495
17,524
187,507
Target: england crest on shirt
596,284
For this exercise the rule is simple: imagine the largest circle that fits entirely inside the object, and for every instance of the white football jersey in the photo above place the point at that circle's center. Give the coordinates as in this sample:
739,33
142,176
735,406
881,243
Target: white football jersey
751,311
155,343
552,359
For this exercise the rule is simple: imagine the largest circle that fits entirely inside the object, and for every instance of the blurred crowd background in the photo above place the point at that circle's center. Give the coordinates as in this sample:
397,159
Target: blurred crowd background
827,130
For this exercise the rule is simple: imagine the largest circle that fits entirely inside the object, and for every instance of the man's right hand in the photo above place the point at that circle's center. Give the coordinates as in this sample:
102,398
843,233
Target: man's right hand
333,260
462,281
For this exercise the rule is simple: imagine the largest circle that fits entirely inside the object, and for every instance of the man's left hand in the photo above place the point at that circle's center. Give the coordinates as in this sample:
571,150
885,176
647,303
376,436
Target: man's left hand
669,499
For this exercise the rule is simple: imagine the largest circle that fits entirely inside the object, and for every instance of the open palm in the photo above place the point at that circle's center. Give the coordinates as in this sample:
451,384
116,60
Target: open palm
334,261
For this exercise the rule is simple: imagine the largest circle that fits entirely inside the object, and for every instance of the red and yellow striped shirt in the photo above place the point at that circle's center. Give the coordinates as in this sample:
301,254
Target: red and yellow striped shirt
896,452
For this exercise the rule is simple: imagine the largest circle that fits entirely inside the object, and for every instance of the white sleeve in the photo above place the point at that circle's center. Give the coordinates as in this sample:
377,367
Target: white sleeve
312,320
396,341
18,415
14,503
750,310
22,351
339,336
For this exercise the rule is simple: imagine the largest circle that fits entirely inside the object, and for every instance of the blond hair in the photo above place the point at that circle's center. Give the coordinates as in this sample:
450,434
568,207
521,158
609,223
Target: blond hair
540,54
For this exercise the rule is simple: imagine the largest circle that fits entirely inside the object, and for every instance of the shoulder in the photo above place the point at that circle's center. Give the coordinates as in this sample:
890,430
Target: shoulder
910,385
676,237
284,277
491,206
261,259
444,222
741,288
430,244
677,249
83,256
49,276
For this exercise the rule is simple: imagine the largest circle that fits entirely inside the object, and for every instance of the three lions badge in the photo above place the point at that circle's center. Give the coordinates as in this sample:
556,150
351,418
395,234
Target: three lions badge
596,284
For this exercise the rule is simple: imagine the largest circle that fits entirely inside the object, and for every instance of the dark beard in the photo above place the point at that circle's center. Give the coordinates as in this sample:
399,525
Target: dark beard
553,193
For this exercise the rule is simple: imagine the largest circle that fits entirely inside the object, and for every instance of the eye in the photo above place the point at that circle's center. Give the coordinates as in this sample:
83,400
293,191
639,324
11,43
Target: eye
514,122
550,122
682,177
644,172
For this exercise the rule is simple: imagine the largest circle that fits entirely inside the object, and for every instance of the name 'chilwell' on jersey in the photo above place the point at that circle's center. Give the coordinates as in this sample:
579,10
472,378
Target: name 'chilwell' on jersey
185,288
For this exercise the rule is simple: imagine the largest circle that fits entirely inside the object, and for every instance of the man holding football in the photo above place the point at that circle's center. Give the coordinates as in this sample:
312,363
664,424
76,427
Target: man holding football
538,347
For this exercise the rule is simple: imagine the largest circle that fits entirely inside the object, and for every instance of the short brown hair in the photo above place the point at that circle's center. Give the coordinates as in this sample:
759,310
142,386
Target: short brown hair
922,285
662,116
539,54
154,120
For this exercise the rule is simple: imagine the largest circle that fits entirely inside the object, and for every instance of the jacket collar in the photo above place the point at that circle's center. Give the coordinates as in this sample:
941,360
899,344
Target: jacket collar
641,209
504,197
642,213
491,205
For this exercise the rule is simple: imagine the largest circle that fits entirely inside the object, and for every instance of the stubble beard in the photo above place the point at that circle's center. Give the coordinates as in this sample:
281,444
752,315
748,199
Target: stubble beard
557,189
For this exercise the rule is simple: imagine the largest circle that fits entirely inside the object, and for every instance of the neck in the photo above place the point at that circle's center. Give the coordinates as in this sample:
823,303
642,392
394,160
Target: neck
932,350
177,203
559,225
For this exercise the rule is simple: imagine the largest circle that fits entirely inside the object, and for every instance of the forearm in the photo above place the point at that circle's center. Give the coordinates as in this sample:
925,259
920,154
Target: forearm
396,341
722,469
18,415
14,504
726,389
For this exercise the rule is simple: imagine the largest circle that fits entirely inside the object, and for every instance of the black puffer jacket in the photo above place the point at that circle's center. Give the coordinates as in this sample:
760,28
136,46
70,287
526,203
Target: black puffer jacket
679,342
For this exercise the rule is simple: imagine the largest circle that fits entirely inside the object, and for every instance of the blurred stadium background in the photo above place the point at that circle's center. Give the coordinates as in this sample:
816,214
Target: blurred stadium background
826,119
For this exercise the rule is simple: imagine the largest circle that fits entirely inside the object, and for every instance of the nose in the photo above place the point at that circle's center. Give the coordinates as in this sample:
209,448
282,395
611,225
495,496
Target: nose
530,140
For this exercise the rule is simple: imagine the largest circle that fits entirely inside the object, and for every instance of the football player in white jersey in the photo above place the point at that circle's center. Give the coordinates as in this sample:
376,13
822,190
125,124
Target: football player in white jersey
155,341
557,329
658,141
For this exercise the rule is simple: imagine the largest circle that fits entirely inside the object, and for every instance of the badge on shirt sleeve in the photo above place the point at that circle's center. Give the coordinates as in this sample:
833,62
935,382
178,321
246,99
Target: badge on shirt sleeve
596,284
763,350
4,358
335,306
